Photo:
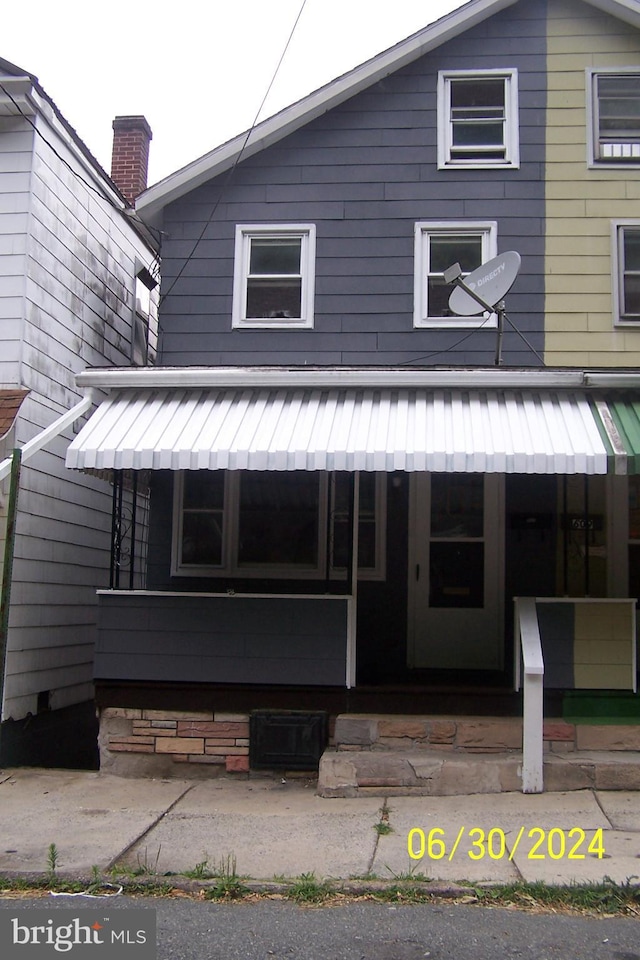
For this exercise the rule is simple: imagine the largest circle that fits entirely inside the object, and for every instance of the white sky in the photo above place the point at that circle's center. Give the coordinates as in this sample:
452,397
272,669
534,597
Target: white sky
196,69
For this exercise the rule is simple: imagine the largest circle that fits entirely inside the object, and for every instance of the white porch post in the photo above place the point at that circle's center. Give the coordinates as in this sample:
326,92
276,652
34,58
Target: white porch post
353,603
527,629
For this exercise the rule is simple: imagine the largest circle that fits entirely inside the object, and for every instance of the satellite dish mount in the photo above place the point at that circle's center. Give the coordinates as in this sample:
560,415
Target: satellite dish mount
493,279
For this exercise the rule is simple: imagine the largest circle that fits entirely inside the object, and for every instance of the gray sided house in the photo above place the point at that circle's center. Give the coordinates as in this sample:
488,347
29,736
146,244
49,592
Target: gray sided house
350,481
72,252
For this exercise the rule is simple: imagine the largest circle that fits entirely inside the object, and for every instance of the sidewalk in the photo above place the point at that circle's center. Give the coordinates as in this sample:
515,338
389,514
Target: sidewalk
282,829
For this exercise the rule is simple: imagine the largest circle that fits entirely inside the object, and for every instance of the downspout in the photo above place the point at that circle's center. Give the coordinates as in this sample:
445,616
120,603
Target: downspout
353,581
7,567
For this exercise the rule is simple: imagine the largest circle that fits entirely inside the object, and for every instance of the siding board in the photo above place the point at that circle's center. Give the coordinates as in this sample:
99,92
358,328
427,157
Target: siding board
72,306
229,640
364,173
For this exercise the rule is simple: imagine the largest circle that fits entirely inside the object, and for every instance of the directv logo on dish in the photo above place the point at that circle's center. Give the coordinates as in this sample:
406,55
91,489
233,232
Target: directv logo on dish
118,933
490,276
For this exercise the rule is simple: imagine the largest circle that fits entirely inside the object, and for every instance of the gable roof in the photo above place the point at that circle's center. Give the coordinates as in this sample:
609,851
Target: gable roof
22,93
151,203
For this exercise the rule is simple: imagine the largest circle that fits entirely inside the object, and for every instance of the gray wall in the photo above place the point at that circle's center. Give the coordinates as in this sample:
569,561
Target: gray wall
229,639
364,173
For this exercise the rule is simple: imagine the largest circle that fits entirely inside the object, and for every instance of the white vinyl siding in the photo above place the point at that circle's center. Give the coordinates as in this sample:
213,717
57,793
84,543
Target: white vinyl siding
67,304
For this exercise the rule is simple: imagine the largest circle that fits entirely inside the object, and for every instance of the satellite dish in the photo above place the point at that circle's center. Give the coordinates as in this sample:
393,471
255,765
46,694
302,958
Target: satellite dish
490,282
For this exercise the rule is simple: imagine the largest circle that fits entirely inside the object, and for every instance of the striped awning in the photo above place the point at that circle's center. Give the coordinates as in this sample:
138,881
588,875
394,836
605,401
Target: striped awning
439,430
622,421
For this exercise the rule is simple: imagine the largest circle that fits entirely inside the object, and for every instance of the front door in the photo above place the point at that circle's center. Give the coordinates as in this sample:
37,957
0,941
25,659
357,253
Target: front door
456,571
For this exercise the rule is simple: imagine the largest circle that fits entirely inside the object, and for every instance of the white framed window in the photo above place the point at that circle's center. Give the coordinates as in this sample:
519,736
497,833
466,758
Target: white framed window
478,118
275,525
626,271
144,283
274,275
613,98
438,245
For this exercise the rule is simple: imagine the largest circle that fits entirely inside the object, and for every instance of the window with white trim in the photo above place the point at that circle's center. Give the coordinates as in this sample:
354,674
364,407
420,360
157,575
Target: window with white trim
615,117
438,245
478,118
626,279
275,524
144,283
274,275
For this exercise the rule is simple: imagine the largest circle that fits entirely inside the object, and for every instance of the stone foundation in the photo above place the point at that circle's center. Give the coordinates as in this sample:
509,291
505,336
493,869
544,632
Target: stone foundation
198,744
173,743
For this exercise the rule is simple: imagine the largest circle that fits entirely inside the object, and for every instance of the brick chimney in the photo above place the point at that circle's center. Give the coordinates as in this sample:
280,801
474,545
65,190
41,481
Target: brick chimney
130,157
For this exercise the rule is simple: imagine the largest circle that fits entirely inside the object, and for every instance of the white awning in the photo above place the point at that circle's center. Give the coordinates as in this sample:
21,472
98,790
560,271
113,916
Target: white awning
456,430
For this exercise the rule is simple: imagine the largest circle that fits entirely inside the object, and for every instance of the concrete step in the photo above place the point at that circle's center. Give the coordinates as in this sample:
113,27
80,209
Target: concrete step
384,773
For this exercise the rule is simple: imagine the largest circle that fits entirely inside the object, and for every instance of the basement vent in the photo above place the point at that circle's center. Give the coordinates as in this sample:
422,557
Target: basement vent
288,740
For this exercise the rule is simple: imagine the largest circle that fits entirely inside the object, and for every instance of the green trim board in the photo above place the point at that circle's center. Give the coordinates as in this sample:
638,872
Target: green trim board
604,707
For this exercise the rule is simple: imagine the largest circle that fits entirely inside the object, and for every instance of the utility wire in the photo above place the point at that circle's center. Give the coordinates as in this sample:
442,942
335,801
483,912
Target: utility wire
232,170
62,160
454,346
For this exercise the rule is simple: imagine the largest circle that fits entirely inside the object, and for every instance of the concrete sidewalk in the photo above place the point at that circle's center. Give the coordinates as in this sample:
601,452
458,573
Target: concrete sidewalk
275,829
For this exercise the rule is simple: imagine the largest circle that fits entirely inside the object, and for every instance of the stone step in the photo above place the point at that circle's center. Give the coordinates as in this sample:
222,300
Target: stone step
383,773
476,734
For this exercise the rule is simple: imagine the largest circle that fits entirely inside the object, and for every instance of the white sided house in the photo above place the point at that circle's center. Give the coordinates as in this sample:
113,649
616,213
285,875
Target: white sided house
77,288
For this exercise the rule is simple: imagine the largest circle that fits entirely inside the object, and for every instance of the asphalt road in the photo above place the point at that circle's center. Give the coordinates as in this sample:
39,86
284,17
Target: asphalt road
268,930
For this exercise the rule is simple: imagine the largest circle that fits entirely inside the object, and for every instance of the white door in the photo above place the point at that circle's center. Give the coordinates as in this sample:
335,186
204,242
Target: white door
456,571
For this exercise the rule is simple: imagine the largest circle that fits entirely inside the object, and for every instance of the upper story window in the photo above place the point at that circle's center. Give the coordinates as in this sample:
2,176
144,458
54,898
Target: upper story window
626,279
141,321
274,276
275,525
615,116
478,119
438,245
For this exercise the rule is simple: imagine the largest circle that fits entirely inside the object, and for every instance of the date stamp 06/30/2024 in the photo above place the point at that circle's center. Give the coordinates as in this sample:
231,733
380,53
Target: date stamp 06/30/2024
553,844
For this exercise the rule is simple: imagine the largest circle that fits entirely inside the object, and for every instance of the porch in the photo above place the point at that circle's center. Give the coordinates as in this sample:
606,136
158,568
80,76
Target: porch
182,678
342,549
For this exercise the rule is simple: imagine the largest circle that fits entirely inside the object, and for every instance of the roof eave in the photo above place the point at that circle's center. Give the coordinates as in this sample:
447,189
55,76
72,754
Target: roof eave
151,203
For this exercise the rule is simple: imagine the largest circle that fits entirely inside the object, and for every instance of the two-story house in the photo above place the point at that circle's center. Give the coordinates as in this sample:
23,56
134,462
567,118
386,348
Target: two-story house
77,276
352,478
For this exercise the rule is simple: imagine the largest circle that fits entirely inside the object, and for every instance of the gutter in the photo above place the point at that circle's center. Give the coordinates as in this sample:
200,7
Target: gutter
326,377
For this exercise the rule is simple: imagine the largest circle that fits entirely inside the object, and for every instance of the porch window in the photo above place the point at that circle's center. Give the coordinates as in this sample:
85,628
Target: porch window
274,276
275,524
457,540
626,280
615,117
438,245
478,119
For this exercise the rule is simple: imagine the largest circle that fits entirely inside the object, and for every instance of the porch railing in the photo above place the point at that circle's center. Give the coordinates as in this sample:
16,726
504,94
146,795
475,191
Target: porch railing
587,643
528,634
